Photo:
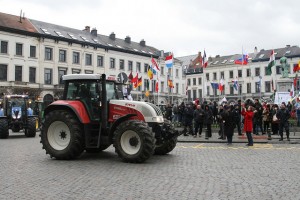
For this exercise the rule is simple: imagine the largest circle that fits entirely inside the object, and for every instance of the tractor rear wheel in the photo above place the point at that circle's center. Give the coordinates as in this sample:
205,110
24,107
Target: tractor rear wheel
62,135
134,142
30,131
166,147
4,132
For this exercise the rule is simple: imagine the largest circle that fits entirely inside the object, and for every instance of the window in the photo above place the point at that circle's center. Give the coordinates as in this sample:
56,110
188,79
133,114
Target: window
207,91
76,71
177,73
278,69
62,55
170,72
215,75
145,67
162,70
240,73
48,76
248,73
122,64
194,81
88,59
248,88
257,71
189,95
19,49
112,63
199,81
138,67
207,77
4,47
48,53
130,64
200,93
162,86
267,86
257,87
177,88
231,89
61,72
33,51
240,88
32,74
215,92
194,94
18,73
3,72
76,57
222,75
230,74
88,71
99,61
189,82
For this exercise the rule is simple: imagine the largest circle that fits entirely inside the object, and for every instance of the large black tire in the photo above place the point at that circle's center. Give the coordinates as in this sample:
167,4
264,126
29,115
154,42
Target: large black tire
133,141
93,150
62,135
166,147
4,132
30,131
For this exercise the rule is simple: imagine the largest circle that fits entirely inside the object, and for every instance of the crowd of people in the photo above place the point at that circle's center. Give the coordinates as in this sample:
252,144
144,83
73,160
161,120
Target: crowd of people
250,116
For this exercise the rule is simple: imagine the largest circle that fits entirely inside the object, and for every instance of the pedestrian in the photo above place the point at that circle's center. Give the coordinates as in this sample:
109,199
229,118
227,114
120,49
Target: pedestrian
257,120
237,118
283,116
188,119
198,120
248,123
221,123
289,106
266,118
298,116
275,121
176,114
208,120
169,112
181,108
229,123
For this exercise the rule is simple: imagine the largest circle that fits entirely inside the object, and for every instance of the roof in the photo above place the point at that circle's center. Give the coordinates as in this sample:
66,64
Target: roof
14,22
288,51
186,60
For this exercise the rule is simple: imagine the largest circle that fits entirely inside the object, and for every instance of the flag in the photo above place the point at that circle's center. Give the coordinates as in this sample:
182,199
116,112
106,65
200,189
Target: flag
292,92
295,81
147,93
170,83
134,81
242,61
271,63
215,85
204,60
221,85
150,73
130,77
235,85
156,87
140,81
154,63
169,61
153,70
296,67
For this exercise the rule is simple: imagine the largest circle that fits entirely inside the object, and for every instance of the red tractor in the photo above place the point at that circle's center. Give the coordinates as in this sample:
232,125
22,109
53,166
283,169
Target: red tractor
93,114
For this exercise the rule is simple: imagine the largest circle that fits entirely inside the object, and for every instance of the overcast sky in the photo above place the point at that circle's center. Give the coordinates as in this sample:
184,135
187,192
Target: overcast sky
184,27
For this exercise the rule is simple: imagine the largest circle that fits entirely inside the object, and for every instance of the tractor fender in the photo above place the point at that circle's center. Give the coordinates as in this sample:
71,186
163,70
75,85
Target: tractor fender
118,122
75,107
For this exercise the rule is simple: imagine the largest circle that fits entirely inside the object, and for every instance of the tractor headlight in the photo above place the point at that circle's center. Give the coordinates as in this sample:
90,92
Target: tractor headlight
158,119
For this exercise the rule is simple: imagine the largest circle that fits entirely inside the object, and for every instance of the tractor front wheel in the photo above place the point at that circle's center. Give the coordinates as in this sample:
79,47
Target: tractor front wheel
166,147
62,135
134,141
4,129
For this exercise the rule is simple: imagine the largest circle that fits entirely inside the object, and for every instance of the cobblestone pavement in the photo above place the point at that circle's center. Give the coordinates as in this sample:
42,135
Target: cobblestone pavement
191,171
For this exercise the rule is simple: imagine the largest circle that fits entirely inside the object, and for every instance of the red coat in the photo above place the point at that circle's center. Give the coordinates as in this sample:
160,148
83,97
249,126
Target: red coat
248,118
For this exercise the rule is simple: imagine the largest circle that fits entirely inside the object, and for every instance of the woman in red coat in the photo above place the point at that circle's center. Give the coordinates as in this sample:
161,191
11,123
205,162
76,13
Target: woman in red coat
248,124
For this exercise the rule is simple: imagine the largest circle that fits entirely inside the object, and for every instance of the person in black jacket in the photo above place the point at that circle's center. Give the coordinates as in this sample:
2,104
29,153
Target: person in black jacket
221,123
229,123
169,112
198,120
237,118
257,119
208,120
283,116
188,119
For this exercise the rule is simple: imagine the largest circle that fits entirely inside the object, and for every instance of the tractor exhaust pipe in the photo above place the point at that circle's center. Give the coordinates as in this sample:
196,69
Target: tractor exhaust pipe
103,103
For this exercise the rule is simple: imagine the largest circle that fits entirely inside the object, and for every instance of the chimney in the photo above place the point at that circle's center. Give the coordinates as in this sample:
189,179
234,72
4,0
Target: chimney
209,58
128,39
112,36
87,29
143,43
162,54
217,56
288,45
94,32
255,50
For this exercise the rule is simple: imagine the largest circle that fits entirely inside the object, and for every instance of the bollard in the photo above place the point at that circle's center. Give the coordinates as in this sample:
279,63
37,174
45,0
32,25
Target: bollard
269,134
206,133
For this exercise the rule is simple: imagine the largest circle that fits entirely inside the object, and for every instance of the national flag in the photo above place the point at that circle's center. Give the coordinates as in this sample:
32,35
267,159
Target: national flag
242,61
169,61
150,73
215,85
154,63
272,63
292,92
147,93
235,85
296,67
170,83
130,77
156,87
140,81
204,60
134,81
221,85
153,70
